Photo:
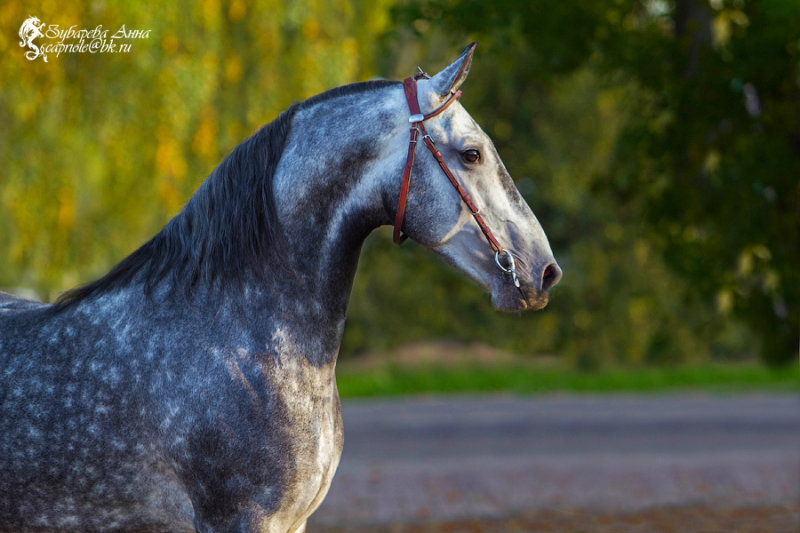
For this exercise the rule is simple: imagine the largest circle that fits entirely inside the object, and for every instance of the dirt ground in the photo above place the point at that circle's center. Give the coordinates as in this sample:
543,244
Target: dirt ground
766,519
567,463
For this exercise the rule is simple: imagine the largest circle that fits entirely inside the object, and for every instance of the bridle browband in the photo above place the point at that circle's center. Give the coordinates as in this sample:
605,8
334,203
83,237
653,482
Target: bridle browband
417,120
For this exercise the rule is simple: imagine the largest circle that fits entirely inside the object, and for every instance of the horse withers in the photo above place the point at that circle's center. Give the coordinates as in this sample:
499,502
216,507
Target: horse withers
192,388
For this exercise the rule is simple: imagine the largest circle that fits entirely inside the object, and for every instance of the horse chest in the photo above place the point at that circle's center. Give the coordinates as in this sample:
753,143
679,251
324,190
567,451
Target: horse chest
311,414
260,439
318,438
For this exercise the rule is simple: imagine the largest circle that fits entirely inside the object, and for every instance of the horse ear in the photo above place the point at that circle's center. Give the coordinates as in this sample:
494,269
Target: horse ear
451,77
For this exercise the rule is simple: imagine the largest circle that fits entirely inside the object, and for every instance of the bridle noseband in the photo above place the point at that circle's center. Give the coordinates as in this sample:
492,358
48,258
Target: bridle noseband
417,120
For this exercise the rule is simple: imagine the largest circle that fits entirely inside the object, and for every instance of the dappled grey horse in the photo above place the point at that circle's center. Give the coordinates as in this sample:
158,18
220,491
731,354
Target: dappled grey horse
192,387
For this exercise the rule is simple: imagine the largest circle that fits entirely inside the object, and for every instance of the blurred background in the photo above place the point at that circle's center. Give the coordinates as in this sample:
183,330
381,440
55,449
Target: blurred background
658,141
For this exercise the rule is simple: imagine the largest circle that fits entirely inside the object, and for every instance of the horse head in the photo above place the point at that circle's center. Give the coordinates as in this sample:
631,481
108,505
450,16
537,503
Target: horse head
500,244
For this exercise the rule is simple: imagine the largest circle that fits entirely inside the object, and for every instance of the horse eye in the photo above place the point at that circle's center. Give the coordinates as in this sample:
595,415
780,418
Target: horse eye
471,156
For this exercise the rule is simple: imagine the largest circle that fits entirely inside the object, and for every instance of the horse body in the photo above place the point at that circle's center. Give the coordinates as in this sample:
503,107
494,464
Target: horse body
193,387
214,413
130,426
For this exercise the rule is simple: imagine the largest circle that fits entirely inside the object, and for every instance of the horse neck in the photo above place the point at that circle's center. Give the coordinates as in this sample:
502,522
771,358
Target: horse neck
277,277
328,190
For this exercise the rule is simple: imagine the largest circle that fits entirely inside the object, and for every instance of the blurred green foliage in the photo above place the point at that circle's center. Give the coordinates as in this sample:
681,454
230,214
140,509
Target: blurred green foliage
657,141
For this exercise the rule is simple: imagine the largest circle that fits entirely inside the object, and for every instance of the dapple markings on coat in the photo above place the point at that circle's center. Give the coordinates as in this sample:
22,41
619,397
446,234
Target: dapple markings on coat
192,388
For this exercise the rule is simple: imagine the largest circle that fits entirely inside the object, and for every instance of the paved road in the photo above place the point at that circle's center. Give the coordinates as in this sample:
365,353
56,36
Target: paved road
434,459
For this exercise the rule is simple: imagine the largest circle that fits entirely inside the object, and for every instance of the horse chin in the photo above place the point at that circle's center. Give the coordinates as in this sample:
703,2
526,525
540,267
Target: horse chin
513,300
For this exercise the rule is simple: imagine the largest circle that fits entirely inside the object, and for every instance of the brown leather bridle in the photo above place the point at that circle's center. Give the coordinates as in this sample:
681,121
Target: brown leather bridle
417,120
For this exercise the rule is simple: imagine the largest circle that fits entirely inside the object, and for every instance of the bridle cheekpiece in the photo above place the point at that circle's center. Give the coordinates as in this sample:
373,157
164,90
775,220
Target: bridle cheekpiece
417,120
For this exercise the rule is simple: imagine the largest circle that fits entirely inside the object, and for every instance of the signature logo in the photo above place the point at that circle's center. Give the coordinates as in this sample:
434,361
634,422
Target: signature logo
31,29
57,40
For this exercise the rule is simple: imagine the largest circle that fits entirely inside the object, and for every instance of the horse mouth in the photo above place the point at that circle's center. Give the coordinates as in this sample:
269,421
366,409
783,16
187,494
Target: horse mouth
520,300
536,303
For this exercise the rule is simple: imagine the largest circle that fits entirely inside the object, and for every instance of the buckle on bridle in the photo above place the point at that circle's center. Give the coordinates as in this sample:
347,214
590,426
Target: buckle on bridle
512,267
419,117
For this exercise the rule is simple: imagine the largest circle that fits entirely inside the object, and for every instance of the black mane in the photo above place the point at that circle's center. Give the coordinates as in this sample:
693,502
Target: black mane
228,229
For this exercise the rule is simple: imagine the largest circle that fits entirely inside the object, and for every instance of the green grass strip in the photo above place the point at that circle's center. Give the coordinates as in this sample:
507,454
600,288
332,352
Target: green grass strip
399,380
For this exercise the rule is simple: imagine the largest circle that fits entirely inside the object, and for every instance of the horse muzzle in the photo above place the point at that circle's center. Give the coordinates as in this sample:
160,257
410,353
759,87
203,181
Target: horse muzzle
532,293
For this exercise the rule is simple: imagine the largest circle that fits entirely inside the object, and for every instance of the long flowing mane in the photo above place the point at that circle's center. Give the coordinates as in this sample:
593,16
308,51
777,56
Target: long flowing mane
227,225
228,229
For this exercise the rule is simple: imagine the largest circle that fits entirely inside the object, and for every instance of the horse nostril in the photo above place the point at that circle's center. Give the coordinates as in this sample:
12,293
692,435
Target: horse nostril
550,276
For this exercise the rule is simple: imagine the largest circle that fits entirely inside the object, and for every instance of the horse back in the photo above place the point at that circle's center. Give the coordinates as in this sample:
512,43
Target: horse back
9,302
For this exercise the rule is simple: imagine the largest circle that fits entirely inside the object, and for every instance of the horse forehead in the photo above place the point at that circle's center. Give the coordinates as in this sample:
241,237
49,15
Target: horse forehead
458,125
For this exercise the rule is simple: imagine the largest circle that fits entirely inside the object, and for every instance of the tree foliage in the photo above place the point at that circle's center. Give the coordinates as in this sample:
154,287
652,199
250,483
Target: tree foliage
100,150
665,142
